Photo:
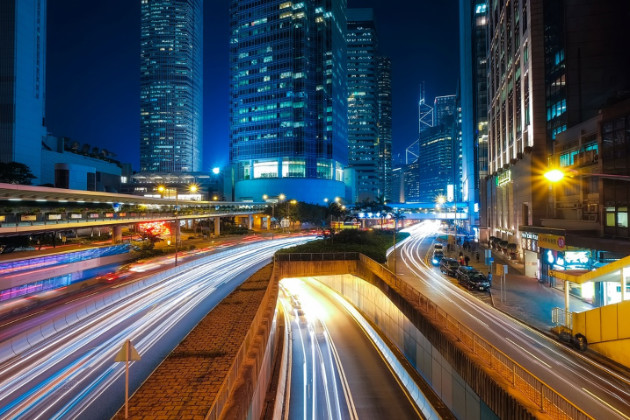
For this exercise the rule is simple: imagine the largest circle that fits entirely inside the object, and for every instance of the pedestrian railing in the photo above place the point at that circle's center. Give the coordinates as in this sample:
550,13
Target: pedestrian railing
328,256
559,317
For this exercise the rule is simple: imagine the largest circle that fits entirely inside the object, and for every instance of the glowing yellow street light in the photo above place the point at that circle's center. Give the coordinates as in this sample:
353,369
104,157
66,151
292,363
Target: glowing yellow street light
193,188
282,197
441,199
293,201
554,175
265,197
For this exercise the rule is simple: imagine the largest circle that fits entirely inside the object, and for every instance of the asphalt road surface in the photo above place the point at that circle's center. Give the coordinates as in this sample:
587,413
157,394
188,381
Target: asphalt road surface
600,392
72,374
337,372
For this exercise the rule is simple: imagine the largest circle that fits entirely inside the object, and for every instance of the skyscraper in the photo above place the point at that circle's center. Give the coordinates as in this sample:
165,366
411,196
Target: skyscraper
384,79
473,21
363,106
438,167
22,81
445,110
288,99
438,152
551,66
171,86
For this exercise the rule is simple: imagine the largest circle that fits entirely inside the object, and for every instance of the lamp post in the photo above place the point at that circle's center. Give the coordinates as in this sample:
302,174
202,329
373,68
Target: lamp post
397,216
273,208
193,188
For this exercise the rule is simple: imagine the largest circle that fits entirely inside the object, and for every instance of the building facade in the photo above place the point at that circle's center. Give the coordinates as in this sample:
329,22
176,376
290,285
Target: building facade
437,166
384,79
22,82
171,86
554,66
473,24
363,105
66,164
516,194
288,99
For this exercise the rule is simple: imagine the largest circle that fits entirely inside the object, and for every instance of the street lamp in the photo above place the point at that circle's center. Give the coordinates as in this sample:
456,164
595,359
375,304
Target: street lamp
193,188
273,208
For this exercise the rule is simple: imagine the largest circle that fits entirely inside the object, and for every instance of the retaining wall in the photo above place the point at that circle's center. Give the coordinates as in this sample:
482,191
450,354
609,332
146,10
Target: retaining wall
474,379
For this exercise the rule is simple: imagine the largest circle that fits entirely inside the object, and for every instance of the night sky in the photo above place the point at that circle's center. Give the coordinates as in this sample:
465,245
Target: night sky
94,60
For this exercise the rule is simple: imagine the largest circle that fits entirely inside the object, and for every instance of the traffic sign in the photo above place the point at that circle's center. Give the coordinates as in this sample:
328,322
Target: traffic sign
127,353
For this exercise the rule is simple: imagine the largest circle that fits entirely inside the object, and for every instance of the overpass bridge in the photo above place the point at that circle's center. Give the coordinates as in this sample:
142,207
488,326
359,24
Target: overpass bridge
29,209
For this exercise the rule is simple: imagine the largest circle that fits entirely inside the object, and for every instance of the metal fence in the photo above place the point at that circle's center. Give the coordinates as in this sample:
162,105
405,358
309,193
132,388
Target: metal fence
330,256
558,317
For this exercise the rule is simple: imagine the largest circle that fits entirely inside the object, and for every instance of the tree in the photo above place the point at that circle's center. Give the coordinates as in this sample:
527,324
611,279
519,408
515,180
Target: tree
15,173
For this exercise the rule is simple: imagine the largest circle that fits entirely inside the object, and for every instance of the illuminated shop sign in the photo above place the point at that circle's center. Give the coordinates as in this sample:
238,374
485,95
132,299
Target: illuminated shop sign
503,178
554,242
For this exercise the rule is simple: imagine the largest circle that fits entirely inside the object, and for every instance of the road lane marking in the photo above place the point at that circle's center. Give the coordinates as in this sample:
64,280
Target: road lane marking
604,402
528,352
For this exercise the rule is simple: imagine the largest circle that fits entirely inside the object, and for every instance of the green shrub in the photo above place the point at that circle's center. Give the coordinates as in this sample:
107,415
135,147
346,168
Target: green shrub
373,244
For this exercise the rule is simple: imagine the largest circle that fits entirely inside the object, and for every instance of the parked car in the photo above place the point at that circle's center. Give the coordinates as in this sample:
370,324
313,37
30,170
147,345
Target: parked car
437,257
449,266
477,281
463,271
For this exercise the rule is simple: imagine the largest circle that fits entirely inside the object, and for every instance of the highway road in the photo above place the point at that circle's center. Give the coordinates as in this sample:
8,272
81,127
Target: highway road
72,374
600,392
337,371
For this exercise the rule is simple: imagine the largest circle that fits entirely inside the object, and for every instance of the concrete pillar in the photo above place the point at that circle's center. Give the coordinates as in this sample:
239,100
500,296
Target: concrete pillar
177,232
567,317
268,222
250,222
117,234
623,284
217,226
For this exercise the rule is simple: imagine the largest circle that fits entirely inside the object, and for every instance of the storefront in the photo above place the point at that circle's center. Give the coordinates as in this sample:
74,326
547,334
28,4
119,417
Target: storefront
529,245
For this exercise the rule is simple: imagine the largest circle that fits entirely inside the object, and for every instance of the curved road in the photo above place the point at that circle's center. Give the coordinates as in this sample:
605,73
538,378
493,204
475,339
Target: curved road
600,392
337,372
72,374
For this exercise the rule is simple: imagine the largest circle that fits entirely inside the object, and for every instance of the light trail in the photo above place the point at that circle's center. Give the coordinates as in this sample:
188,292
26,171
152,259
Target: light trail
320,392
523,344
67,374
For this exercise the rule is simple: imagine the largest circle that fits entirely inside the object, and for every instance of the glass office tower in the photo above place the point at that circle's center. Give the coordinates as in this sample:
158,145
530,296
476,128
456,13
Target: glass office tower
22,82
288,99
171,86
363,130
384,77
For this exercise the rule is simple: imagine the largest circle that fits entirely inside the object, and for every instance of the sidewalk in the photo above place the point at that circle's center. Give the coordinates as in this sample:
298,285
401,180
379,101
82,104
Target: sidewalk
524,298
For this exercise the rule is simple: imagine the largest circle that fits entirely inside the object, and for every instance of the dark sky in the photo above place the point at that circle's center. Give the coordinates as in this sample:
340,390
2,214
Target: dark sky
93,69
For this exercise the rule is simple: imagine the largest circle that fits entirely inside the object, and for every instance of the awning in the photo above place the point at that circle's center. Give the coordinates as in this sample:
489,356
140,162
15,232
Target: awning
608,273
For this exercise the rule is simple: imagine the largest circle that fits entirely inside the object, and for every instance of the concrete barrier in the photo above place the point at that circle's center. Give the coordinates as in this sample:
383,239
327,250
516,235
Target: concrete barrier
48,330
6,351
284,380
247,379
